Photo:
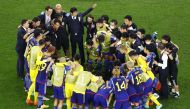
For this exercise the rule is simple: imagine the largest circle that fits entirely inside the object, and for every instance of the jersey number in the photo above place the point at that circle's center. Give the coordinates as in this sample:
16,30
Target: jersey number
122,86
139,79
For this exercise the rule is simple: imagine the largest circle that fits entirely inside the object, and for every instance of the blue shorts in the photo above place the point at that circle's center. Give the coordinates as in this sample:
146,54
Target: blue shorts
58,93
122,105
100,101
89,97
40,88
77,98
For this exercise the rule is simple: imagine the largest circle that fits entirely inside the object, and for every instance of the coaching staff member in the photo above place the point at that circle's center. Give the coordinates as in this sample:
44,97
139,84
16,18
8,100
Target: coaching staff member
21,46
76,30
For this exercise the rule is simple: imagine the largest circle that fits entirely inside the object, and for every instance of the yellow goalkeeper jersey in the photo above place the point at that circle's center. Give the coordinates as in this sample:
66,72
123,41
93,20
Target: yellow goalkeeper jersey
82,81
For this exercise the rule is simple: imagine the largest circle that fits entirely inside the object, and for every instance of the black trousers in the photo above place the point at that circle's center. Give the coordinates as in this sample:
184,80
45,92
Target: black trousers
63,42
163,76
20,64
77,40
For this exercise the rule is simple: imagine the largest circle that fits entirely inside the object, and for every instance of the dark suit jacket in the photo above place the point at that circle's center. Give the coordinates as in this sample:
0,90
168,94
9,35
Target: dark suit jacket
21,43
76,26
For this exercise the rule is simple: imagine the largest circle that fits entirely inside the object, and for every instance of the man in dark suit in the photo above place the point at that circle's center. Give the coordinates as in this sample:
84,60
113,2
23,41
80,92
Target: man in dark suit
45,17
21,46
76,30
135,43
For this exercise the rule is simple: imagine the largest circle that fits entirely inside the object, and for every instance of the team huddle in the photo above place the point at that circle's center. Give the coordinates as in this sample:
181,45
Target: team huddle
125,68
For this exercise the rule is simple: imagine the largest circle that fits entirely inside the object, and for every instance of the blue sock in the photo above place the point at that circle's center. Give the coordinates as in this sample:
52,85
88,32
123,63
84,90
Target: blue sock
40,101
55,107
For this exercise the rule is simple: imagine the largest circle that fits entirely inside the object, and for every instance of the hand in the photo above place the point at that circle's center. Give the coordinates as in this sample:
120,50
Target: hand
155,62
94,5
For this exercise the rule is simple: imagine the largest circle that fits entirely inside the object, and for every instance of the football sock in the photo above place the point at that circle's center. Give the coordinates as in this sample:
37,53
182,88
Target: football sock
68,102
153,98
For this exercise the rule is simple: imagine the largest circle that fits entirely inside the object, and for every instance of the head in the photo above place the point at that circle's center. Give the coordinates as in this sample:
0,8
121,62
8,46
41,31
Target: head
132,37
51,50
59,16
161,47
128,20
148,39
48,41
113,24
99,23
101,38
116,71
77,58
36,22
38,34
148,49
130,65
123,28
89,43
25,23
74,11
169,47
89,18
58,8
166,39
42,43
48,10
125,36
56,24
134,55
105,18
141,33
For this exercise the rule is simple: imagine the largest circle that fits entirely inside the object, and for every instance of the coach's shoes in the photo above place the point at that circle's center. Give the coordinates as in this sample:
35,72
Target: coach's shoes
44,106
29,102
159,107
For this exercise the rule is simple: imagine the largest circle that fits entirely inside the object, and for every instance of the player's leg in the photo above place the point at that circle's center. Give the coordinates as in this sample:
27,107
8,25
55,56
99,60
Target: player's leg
74,100
80,100
68,94
55,103
60,105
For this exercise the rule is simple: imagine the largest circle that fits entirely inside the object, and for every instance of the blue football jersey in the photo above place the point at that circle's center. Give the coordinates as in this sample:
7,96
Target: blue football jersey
150,59
42,72
119,86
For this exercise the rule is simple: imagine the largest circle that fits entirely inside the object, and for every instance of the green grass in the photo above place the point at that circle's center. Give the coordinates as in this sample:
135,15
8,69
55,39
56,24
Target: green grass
165,16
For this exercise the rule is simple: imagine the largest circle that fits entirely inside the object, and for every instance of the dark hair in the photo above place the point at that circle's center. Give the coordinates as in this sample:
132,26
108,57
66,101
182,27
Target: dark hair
37,32
148,37
48,39
36,19
142,30
23,21
73,9
133,35
133,53
89,42
57,15
169,46
125,35
166,37
114,21
99,20
90,16
161,46
117,63
77,57
149,48
42,42
56,21
105,17
101,38
48,7
128,17
123,26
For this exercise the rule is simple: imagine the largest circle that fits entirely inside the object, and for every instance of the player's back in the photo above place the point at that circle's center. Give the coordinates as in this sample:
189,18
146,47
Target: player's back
104,91
119,86
83,79
42,69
